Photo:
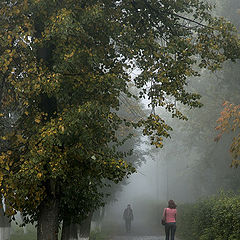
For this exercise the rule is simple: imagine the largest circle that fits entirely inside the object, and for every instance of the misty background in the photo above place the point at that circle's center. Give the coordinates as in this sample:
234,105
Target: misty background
190,165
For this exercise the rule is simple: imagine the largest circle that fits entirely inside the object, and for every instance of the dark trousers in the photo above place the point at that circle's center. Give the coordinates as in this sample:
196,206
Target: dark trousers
170,228
128,225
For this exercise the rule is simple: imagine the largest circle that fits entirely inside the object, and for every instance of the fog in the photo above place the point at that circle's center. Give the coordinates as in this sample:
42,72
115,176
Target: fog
190,165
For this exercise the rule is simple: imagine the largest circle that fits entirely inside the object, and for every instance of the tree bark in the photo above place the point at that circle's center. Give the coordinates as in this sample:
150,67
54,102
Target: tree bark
85,228
47,228
75,231
69,231
5,224
98,215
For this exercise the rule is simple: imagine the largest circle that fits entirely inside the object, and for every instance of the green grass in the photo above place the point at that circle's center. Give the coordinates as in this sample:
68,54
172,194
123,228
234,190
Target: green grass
27,236
95,235
18,234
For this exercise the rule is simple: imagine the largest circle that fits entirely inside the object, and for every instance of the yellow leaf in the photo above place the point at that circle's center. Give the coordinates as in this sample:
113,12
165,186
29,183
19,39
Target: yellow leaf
37,120
39,175
62,128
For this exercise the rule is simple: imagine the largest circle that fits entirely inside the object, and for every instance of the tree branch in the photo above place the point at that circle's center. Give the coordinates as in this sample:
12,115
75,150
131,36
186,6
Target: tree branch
176,15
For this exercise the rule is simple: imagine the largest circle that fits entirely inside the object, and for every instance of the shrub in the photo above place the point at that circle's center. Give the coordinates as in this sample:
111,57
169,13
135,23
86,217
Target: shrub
217,217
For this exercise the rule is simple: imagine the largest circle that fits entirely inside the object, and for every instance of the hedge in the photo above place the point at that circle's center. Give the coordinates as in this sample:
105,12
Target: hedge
213,218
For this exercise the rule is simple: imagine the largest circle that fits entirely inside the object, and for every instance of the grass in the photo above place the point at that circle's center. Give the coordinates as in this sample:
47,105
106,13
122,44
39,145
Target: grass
18,234
96,235
27,236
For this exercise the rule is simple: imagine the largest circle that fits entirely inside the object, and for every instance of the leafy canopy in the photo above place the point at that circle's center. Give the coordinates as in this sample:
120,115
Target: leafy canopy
229,121
64,64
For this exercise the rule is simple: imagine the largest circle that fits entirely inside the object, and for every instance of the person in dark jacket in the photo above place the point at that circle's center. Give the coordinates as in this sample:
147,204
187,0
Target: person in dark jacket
128,218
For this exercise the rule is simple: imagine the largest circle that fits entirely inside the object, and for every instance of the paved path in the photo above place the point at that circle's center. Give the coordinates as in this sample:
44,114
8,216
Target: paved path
139,238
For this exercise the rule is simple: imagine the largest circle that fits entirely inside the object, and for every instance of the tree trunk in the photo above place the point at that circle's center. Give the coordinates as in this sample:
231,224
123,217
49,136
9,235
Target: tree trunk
85,228
47,228
98,215
5,224
75,231
69,231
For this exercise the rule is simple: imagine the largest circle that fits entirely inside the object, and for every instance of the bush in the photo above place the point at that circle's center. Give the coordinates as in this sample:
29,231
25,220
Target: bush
217,218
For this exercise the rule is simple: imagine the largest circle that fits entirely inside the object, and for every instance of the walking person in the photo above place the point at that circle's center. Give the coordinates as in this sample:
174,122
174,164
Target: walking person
169,216
128,218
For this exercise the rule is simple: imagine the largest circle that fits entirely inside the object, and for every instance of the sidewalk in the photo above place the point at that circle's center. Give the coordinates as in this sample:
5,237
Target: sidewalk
139,238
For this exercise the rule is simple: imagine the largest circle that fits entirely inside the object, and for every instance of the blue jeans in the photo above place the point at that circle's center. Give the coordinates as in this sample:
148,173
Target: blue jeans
170,228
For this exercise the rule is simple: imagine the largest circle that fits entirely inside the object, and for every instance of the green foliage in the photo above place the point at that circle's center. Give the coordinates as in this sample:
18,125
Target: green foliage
216,217
184,221
97,235
230,121
28,236
64,65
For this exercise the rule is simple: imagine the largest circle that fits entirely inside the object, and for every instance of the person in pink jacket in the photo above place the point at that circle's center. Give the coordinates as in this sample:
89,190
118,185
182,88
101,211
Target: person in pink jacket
170,215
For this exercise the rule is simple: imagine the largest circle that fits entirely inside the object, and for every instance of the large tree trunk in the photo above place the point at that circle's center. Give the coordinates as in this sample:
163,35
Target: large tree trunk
85,228
69,231
77,231
98,215
47,228
5,224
